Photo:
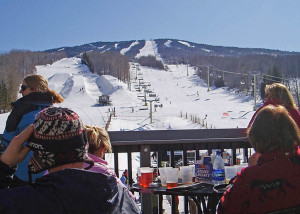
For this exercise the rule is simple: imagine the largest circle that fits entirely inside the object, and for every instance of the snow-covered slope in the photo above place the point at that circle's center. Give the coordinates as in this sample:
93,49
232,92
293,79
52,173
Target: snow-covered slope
181,97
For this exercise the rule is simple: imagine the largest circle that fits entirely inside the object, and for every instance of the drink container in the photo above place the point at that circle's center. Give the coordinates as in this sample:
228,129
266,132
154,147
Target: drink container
172,177
140,176
186,174
218,169
203,171
147,176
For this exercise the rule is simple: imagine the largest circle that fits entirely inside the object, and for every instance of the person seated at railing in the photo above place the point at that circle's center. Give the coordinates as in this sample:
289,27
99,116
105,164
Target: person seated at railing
278,94
99,143
36,96
271,181
60,145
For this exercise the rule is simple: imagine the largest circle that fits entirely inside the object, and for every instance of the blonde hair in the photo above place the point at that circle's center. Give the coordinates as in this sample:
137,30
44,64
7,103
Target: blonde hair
281,93
273,129
38,83
98,138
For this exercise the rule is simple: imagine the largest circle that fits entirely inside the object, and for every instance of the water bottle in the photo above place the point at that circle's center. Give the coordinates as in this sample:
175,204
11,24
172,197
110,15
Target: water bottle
218,169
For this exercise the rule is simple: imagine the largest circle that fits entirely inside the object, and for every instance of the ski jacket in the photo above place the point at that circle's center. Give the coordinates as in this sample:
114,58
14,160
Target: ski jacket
294,113
100,165
273,184
21,116
65,191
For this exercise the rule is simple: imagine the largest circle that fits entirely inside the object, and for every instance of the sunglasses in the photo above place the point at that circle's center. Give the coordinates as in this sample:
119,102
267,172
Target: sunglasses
24,87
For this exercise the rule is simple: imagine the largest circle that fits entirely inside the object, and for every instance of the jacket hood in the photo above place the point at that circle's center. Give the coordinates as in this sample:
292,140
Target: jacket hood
34,98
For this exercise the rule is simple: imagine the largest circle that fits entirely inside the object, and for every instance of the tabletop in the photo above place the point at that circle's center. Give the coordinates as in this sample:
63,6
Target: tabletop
206,196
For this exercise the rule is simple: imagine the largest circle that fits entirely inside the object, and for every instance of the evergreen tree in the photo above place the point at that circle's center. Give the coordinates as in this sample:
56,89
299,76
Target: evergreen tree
4,104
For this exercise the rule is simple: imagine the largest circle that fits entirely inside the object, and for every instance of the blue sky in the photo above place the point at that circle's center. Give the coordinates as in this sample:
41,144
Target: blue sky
45,24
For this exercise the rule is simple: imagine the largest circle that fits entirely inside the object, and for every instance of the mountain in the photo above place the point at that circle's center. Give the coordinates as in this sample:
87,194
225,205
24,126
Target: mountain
168,48
178,101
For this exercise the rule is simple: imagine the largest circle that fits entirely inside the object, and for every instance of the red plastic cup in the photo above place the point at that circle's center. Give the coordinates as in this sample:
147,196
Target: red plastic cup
147,176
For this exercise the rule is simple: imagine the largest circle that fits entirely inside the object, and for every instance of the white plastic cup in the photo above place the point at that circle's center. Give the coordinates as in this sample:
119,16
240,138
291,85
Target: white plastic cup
186,174
162,175
172,177
230,172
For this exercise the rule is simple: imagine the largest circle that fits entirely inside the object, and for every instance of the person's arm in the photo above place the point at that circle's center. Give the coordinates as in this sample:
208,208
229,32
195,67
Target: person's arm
13,155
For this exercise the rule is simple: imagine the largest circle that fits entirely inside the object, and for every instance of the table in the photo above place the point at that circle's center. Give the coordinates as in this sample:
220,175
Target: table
206,196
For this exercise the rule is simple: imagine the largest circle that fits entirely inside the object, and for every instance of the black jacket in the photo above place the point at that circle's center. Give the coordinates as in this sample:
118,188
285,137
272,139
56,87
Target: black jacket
21,116
71,191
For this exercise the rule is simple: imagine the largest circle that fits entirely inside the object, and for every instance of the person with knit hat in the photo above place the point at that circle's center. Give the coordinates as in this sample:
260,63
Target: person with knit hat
35,96
59,144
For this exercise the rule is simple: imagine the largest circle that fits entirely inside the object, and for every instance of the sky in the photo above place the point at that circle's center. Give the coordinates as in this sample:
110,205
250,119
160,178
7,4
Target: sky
39,25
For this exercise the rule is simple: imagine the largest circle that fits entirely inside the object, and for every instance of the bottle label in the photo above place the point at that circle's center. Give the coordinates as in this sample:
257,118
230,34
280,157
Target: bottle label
219,174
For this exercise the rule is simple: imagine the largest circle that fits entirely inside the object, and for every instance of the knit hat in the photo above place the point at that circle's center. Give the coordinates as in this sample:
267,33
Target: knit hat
58,139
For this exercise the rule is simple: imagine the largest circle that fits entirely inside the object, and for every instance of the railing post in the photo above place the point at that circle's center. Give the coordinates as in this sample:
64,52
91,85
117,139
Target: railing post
146,201
129,163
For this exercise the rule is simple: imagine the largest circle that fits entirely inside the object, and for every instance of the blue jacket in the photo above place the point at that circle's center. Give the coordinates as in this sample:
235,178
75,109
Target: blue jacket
66,191
21,116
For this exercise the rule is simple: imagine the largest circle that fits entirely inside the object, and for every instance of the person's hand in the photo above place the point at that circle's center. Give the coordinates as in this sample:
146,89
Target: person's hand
16,152
252,161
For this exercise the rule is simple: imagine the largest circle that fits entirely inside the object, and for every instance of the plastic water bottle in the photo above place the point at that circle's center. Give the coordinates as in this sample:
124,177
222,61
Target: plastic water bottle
218,169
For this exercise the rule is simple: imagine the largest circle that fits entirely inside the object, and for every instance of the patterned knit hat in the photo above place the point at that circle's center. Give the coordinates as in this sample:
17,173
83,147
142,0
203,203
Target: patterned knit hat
58,139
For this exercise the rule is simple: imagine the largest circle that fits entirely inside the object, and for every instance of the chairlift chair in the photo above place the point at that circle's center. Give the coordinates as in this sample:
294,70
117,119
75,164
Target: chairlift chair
242,80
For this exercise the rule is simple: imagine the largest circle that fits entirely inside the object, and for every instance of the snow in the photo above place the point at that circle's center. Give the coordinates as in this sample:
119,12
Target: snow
102,47
150,48
206,50
124,50
178,93
168,43
186,43
93,46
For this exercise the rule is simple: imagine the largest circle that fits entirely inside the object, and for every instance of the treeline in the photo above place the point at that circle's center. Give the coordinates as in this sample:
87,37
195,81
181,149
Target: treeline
289,65
150,61
245,66
14,66
108,63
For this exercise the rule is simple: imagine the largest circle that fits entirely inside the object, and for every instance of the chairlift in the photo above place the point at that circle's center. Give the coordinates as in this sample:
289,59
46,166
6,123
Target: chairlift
242,80
219,75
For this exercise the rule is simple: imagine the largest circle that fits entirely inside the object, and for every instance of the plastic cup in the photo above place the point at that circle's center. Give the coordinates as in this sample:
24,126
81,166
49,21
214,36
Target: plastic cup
147,176
186,174
230,172
163,178
172,177
193,168
140,176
